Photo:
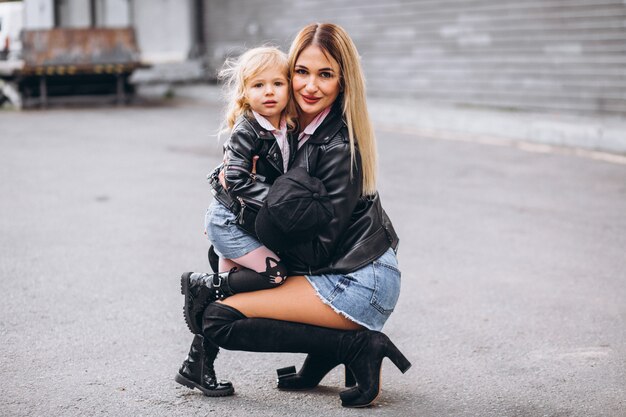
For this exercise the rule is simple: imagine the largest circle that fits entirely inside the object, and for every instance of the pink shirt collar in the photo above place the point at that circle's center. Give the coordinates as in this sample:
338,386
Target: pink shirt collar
311,127
265,124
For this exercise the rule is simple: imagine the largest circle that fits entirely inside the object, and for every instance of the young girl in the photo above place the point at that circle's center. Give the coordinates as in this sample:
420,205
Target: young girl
256,153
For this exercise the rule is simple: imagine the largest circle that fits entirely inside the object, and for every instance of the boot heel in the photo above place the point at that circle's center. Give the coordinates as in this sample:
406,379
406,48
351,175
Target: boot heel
349,396
350,379
398,359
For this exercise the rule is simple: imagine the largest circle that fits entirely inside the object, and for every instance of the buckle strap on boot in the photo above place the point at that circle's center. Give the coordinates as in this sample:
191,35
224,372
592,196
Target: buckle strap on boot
219,285
200,289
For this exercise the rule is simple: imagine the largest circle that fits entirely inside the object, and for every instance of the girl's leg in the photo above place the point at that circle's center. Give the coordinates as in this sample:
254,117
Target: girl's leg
257,259
260,269
226,265
200,289
265,262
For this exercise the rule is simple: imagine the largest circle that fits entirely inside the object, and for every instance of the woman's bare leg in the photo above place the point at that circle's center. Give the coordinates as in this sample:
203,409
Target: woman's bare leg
295,300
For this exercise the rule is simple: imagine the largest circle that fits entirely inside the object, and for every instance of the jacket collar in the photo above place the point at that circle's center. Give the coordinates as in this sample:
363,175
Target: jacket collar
258,129
331,124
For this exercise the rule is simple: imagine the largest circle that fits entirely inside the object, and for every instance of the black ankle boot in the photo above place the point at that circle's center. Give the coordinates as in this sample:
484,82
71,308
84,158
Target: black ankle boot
313,370
197,370
200,289
361,350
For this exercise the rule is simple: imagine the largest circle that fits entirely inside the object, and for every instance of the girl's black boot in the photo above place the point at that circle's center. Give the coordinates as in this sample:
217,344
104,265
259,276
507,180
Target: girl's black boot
200,289
197,370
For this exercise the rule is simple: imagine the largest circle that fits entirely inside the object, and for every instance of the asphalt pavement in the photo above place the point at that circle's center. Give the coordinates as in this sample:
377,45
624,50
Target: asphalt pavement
513,264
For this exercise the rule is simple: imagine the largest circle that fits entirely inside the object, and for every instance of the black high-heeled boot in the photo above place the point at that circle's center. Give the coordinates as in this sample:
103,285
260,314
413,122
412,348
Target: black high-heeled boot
197,370
361,350
313,370
367,366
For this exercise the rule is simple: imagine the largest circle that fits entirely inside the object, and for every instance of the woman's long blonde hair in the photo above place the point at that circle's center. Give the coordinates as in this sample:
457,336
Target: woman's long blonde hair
236,72
335,41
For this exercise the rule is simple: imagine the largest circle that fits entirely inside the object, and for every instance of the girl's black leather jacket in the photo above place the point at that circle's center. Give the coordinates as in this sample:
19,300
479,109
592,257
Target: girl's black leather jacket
361,231
247,190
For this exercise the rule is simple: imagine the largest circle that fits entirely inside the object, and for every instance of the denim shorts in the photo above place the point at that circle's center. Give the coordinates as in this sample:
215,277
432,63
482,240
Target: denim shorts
229,240
366,296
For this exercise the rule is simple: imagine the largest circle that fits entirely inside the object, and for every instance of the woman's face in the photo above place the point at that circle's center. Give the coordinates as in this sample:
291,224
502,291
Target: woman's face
315,82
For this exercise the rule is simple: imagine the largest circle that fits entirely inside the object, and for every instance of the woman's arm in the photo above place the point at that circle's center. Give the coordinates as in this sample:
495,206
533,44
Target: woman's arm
331,164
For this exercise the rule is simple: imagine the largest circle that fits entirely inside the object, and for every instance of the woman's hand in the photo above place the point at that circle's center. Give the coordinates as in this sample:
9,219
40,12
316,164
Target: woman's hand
220,176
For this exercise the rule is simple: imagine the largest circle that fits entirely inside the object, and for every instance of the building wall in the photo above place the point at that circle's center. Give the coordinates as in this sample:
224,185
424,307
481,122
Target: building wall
113,13
163,28
74,13
38,14
561,55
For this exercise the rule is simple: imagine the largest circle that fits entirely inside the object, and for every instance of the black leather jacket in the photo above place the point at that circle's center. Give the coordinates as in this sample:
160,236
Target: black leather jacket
361,231
247,190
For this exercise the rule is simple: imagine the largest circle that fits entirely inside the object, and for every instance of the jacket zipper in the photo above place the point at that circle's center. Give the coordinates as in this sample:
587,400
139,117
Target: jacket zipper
243,204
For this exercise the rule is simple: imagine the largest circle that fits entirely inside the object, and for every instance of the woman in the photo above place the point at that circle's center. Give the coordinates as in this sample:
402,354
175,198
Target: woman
350,281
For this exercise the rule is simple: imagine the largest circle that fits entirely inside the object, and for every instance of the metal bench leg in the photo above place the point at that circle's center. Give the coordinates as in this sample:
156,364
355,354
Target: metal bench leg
43,92
121,96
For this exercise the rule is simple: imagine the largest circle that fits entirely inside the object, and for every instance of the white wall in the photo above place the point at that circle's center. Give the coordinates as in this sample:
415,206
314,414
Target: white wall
163,28
11,23
113,13
38,14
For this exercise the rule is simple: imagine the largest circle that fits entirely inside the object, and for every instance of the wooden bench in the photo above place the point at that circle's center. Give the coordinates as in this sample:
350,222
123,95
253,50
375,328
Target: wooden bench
79,62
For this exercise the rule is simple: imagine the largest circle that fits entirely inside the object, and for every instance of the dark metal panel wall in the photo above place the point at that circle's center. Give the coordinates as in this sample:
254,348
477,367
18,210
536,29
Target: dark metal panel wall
561,55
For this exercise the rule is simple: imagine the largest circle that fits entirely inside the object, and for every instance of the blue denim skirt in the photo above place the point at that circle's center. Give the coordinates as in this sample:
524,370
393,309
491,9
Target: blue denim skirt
229,240
366,296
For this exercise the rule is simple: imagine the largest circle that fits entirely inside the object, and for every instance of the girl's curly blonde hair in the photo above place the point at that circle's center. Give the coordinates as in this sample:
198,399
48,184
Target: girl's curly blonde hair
236,72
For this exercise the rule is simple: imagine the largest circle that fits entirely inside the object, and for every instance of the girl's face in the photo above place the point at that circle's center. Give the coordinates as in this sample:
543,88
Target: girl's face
267,93
315,82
